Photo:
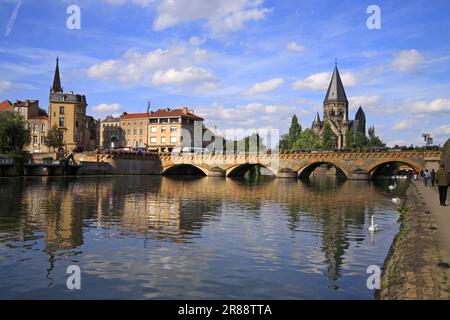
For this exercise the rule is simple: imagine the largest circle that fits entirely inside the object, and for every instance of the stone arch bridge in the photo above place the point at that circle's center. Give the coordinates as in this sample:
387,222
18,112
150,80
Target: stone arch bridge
354,165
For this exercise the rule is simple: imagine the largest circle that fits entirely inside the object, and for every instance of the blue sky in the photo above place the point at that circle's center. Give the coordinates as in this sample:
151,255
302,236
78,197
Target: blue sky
242,64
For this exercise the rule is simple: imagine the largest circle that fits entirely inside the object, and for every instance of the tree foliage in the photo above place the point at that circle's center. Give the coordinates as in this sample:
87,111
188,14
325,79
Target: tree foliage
14,132
54,139
327,137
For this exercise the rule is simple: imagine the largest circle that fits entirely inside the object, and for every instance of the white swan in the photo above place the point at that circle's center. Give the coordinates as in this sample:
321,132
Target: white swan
373,227
396,200
392,187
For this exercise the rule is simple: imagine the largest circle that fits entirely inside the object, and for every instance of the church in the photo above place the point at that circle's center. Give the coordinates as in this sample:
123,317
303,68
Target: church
335,113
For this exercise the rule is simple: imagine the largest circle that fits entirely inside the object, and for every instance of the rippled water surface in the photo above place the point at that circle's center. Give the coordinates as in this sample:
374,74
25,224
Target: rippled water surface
148,237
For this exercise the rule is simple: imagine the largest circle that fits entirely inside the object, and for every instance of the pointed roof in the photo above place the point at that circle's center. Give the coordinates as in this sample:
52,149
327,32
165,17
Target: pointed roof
56,79
336,92
360,115
317,119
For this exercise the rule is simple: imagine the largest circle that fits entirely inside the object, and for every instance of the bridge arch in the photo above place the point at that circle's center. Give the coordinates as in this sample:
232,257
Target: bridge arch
241,169
184,169
305,170
374,167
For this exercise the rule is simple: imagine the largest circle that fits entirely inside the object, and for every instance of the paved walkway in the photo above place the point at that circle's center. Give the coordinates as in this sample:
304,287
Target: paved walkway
440,215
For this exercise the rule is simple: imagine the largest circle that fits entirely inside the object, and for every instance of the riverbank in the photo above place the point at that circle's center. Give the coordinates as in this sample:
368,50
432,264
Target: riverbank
417,265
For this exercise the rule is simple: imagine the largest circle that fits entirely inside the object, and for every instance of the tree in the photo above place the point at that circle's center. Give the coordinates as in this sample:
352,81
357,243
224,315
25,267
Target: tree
374,140
14,132
54,139
283,144
294,131
327,137
308,140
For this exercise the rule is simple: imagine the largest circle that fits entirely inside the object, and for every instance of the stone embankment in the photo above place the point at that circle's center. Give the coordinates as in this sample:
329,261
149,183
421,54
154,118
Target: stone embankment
414,268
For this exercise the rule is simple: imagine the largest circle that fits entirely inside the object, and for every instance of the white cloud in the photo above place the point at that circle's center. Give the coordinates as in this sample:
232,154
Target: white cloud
293,46
176,65
367,102
320,81
441,131
407,60
5,85
435,106
220,15
405,124
251,116
182,76
264,87
104,107
196,41
143,3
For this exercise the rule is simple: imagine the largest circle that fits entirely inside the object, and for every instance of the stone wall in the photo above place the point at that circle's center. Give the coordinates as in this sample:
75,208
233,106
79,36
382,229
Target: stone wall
446,155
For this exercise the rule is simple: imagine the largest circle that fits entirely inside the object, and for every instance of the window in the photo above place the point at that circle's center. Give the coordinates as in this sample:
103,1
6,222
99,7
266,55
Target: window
152,129
61,134
35,128
173,129
134,132
173,139
153,140
140,132
163,139
163,129
61,121
153,121
128,132
43,127
42,139
35,140
61,110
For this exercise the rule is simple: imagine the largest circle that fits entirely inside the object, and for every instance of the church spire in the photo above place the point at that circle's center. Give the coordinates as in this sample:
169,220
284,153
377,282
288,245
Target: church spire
336,92
317,119
56,79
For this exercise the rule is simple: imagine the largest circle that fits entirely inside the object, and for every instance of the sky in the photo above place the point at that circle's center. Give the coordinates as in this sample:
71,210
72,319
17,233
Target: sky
243,65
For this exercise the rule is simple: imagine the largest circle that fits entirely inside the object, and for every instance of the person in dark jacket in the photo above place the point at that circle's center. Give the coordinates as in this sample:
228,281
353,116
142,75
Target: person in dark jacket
442,180
433,177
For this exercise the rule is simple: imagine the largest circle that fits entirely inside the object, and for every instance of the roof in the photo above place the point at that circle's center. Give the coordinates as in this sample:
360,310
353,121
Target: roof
160,113
6,106
56,79
336,92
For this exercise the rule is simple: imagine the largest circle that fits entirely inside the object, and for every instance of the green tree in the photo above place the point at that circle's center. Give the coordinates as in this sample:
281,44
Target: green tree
14,132
294,131
54,139
350,139
327,137
283,144
374,140
308,140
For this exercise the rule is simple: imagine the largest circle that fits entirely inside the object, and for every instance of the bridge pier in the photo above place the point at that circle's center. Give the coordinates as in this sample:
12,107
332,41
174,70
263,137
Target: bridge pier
359,175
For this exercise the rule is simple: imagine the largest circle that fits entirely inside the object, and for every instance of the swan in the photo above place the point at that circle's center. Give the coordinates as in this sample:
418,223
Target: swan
373,227
396,200
392,187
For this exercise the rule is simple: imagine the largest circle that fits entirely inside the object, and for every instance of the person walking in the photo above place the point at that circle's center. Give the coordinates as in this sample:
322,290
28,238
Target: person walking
442,180
426,176
433,177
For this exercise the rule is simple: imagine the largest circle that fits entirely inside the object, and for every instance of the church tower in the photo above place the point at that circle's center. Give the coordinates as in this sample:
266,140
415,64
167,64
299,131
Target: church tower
67,112
335,104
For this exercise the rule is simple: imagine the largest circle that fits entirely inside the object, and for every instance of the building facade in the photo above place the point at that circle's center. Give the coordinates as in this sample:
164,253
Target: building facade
335,114
67,113
159,130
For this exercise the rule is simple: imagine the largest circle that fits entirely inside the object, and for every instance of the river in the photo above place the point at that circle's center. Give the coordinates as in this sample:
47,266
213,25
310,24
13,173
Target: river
151,237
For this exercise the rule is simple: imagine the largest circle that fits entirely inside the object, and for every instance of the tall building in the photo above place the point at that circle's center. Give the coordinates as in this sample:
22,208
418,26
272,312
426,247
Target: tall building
67,112
335,113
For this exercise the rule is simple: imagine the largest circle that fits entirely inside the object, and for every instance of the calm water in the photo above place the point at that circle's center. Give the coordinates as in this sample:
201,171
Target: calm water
146,237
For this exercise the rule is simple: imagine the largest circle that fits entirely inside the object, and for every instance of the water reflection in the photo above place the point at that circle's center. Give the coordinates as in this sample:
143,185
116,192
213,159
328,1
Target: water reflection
167,237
